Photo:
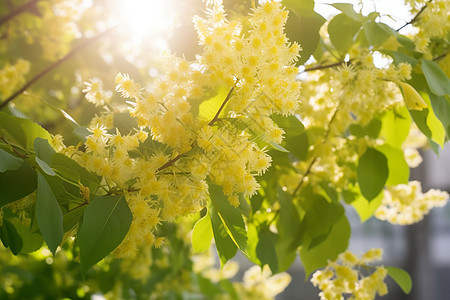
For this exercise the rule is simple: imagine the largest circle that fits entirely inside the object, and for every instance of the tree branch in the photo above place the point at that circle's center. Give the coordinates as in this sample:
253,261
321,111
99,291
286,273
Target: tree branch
54,65
415,17
17,11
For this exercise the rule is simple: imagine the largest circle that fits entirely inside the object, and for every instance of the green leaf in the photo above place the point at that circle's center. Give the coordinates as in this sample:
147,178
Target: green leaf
376,33
10,237
395,126
347,8
32,241
49,215
265,250
299,5
297,145
428,123
441,106
303,27
364,207
23,131
401,277
230,216
9,161
43,150
372,172
226,247
72,218
437,81
124,122
202,234
71,170
319,218
16,184
290,124
342,30
398,168
336,242
81,132
44,167
372,129
106,221
278,147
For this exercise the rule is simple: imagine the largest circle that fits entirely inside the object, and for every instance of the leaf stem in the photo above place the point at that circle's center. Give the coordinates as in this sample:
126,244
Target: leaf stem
55,64
17,11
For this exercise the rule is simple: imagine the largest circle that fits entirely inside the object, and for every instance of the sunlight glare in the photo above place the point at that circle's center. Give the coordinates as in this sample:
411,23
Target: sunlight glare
145,18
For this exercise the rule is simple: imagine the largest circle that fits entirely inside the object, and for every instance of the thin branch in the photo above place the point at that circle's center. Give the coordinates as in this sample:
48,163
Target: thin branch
325,136
440,56
325,66
17,11
23,156
169,163
55,64
415,17
221,107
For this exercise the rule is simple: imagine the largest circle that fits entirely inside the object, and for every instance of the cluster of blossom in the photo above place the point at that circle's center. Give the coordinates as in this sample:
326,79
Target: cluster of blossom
405,204
349,275
95,92
12,76
433,22
250,78
260,284
415,140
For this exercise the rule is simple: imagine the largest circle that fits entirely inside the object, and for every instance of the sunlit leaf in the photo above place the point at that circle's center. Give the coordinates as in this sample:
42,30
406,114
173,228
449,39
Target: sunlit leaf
372,173
202,234
401,277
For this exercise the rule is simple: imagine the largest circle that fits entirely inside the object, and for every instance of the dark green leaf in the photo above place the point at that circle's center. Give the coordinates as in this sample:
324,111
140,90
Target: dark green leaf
49,215
265,250
372,173
226,247
441,106
44,167
401,277
16,184
81,132
32,241
342,30
106,221
438,82
231,216
336,243
9,161
43,150
10,237
303,27
372,129
202,234
70,169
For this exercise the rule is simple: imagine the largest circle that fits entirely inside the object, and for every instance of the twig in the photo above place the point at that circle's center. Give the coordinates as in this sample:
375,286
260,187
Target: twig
17,11
325,136
416,16
169,163
325,66
54,65
14,149
221,107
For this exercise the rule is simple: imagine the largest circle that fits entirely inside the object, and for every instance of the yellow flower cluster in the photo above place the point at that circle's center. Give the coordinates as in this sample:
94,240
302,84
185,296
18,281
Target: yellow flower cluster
95,92
344,276
405,204
195,111
415,140
259,284
12,77
433,22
